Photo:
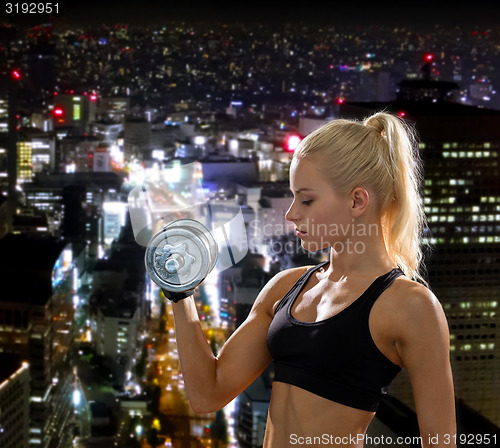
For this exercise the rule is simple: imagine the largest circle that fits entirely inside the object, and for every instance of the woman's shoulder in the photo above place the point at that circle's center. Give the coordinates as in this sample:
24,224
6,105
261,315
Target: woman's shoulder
288,277
412,299
279,285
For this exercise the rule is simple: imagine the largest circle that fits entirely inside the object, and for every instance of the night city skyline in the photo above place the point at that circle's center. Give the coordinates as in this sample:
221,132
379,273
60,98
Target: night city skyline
422,15
97,100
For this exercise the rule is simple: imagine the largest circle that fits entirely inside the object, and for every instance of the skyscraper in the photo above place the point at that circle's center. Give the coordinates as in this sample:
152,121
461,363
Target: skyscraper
460,147
14,401
36,314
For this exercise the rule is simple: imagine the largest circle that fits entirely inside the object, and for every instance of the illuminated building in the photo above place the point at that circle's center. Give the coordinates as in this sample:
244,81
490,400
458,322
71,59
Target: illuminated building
118,300
4,128
118,319
45,193
137,137
229,169
107,131
42,154
114,108
4,115
101,159
114,218
460,147
14,401
9,126
29,221
36,316
427,90
75,111
251,412
24,165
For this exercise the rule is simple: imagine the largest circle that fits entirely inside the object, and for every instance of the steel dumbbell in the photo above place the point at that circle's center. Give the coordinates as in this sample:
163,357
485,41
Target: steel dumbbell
180,256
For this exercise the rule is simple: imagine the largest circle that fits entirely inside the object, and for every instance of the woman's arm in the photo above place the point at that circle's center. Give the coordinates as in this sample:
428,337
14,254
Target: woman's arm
212,382
424,348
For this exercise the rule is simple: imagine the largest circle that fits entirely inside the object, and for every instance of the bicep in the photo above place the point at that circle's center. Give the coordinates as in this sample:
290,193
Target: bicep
245,354
423,346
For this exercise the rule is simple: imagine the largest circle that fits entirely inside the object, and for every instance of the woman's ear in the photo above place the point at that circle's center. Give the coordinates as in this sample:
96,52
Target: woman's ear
360,198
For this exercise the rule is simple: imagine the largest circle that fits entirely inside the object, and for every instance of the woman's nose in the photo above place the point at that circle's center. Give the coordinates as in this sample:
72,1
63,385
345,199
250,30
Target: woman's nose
291,214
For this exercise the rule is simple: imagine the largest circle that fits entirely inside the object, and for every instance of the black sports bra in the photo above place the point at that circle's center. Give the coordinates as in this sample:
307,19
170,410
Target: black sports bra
335,358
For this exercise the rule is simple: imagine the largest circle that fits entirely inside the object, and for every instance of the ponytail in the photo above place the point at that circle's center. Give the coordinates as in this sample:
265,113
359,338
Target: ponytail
403,218
381,152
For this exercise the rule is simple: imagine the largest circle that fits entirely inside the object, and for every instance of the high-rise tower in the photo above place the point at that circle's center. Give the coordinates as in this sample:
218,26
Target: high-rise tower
460,147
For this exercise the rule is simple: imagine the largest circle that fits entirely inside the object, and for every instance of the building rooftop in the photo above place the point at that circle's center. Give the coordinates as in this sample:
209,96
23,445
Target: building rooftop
9,364
26,267
416,108
100,179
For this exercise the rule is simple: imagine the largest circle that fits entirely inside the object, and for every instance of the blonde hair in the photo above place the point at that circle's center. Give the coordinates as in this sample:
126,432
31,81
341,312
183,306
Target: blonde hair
380,152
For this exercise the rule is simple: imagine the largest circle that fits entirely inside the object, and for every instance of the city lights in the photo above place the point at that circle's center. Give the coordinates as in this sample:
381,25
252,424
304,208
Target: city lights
15,74
292,141
58,111
77,397
202,120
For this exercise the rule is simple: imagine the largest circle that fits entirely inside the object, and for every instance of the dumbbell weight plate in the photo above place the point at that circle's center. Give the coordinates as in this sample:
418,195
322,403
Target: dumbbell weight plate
204,234
177,259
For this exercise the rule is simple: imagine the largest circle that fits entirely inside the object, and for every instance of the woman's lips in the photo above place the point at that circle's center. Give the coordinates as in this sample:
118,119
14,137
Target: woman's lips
299,232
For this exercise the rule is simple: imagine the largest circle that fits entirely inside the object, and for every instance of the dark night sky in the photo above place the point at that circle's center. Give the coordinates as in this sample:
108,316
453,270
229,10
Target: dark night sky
423,13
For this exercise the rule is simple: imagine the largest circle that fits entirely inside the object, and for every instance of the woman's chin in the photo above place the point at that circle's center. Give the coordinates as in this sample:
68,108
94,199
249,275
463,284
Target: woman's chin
313,246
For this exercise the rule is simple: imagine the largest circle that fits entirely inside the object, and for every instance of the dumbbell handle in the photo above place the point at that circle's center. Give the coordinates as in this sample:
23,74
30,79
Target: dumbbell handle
176,296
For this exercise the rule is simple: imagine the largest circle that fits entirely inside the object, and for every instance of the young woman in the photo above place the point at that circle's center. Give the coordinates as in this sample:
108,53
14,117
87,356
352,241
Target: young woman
340,331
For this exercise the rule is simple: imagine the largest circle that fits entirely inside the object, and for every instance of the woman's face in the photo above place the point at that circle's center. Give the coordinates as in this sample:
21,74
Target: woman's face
321,215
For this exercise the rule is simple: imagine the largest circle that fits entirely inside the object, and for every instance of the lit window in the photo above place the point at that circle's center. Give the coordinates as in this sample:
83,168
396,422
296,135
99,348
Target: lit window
77,111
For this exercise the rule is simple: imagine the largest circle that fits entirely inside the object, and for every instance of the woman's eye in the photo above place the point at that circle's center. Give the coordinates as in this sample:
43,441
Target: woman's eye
307,202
